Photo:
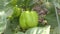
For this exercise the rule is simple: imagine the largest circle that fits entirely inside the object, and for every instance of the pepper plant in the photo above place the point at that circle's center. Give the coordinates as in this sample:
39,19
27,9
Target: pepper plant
29,11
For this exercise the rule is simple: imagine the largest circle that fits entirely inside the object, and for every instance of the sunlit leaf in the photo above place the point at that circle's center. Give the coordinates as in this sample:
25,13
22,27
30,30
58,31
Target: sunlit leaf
3,21
39,30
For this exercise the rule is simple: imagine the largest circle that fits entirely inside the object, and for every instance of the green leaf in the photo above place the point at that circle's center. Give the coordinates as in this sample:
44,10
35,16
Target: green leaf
3,21
19,33
57,5
38,30
28,4
11,26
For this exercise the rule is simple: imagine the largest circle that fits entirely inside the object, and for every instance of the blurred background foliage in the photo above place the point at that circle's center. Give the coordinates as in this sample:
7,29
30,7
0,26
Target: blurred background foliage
7,6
